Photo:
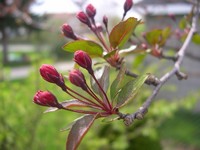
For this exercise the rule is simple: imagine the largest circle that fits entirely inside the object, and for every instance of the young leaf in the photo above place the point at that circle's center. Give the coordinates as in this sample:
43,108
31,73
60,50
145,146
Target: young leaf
116,84
78,130
72,103
102,75
51,109
130,90
92,48
122,31
158,36
153,36
183,23
196,38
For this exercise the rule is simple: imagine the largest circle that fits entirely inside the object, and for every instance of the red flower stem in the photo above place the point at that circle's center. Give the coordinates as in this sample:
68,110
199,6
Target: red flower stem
107,101
81,111
100,37
91,103
96,98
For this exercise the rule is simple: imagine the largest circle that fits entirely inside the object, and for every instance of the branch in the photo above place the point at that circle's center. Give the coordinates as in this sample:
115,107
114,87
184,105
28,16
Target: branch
152,80
129,118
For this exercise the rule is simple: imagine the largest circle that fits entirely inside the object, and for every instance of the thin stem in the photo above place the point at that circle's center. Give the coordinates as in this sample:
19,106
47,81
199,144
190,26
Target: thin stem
107,101
95,97
81,111
90,102
99,36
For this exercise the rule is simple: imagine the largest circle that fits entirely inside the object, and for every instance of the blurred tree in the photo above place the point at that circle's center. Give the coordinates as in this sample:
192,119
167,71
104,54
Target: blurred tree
15,14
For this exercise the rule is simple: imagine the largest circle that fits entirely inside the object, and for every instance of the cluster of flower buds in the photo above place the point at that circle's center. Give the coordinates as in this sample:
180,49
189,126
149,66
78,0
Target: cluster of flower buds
76,77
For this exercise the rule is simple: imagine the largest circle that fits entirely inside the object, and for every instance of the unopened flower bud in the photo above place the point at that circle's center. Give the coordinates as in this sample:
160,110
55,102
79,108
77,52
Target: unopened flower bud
83,60
77,78
91,10
50,74
127,5
83,18
68,31
45,98
172,16
105,21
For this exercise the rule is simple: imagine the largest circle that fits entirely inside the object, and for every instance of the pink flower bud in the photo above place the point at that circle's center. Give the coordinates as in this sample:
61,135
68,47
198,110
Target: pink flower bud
127,5
91,10
77,78
172,16
83,60
83,18
105,21
45,98
68,31
50,74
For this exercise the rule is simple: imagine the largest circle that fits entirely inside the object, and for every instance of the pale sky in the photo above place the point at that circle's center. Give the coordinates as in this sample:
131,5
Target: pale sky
107,7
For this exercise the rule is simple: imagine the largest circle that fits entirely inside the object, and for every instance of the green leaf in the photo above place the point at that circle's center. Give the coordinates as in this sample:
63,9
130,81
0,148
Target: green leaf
183,23
102,75
78,130
122,32
92,48
109,54
138,60
196,38
117,83
130,90
158,36
166,32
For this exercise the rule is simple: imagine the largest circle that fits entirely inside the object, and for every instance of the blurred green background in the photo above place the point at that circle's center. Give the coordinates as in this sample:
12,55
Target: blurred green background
172,122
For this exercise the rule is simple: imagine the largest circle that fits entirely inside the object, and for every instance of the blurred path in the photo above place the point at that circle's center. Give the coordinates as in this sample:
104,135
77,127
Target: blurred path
22,72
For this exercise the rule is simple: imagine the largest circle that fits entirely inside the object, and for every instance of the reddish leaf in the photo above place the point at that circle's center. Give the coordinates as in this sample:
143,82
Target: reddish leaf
72,103
67,104
78,130
122,31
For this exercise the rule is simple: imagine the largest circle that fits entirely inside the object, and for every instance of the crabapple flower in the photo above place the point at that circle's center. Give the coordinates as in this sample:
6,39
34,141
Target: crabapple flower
45,98
68,31
127,5
83,18
91,10
83,60
77,78
50,74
